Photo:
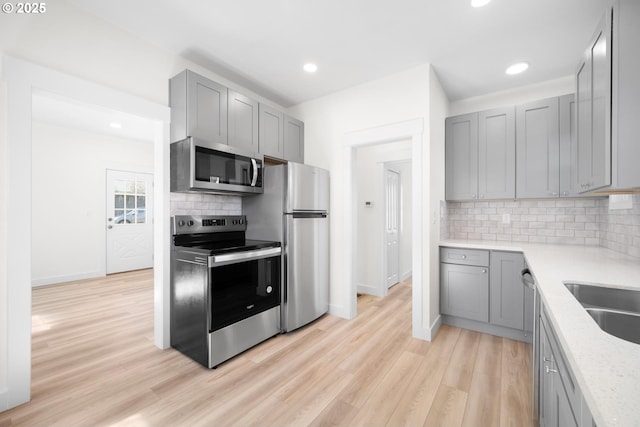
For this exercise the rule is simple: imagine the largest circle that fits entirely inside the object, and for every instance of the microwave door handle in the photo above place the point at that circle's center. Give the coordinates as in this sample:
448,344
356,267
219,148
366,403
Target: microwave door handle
255,172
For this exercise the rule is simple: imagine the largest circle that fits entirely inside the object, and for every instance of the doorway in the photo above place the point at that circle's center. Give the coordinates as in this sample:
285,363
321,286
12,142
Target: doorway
413,131
129,219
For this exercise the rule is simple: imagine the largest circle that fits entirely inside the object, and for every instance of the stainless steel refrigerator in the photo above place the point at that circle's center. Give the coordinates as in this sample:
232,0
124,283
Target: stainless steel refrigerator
294,210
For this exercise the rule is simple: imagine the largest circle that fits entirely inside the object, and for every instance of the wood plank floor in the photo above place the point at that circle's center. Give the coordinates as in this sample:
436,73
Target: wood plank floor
94,364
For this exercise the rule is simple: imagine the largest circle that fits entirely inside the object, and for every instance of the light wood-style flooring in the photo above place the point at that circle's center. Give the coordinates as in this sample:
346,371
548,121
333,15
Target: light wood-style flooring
94,364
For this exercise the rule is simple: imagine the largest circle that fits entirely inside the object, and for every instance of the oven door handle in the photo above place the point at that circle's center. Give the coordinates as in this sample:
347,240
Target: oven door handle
234,258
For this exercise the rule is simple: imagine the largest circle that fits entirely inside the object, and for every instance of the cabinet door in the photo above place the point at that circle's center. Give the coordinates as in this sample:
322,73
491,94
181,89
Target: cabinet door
497,154
271,132
243,122
548,404
461,157
506,290
293,140
538,149
206,109
464,291
593,81
569,184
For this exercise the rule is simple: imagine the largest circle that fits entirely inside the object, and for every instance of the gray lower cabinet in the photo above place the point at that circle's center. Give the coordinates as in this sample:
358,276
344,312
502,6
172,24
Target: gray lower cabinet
243,122
198,108
507,300
482,290
538,149
561,402
465,291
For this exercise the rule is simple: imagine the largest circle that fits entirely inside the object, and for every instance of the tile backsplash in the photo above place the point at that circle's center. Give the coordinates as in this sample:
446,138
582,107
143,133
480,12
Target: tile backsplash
204,204
559,221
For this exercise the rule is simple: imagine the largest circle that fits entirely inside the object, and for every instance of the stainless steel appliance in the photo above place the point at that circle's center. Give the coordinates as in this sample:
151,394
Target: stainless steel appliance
225,289
529,282
294,210
201,166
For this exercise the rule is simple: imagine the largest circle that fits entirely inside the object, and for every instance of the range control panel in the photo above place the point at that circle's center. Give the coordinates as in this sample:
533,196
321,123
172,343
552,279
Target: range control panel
189,224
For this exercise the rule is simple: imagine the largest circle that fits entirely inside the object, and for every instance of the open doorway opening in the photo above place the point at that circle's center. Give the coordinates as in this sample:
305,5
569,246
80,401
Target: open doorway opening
80,154
383,185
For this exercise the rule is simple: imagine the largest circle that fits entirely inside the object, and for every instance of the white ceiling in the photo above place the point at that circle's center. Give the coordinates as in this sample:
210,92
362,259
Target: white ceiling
262,45
60,111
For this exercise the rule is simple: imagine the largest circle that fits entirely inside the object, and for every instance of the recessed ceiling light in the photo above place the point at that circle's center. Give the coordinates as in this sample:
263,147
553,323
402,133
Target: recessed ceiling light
310,68
115,125
479,3
517,68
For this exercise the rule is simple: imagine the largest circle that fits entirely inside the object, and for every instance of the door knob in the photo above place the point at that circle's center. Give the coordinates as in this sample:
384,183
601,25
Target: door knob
110,227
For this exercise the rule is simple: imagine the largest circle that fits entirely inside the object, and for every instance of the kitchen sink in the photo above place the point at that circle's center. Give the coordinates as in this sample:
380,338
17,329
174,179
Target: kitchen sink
616,311
622,324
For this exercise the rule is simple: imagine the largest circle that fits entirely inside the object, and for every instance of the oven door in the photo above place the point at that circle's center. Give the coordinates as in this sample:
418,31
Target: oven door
243,284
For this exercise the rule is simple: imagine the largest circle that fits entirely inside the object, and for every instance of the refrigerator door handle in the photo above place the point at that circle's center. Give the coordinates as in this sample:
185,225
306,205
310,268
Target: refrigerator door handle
301,214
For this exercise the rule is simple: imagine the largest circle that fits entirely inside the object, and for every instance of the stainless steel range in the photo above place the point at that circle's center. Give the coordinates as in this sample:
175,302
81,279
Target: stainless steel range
225,289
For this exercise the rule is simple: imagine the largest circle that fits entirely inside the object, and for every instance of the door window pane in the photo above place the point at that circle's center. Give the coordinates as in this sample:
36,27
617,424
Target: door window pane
130,202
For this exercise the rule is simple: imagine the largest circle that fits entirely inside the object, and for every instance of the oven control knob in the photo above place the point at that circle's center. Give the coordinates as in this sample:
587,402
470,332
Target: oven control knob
269,289
181,223
189,223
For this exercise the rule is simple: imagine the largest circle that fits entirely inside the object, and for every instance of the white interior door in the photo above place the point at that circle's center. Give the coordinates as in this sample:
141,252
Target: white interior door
129,221
392,222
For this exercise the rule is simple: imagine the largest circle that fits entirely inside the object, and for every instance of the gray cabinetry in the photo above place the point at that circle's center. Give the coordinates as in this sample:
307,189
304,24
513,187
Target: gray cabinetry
293,140
465,288
608,90
271,132
496,154
538,149
569,184
561,401
506,290
482,290
480,155
198,108
243,122
461,157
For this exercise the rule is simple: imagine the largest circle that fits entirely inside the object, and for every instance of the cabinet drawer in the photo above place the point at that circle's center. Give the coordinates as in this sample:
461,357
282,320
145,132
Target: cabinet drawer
464,291
464,256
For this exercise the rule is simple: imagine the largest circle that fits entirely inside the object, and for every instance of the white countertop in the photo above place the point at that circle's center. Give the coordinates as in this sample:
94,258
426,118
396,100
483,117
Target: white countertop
607,368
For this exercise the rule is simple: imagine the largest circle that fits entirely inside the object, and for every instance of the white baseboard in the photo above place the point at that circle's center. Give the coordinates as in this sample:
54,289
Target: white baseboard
427,334
66,278
404,276
340,311
4,400
369,290
435,327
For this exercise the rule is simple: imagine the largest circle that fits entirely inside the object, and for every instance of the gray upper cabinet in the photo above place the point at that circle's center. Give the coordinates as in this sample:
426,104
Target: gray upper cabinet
593,91
506,290
461,157
198,108
271,132
243,122
496,154
538,149
569,183
293,140
608,90
480,155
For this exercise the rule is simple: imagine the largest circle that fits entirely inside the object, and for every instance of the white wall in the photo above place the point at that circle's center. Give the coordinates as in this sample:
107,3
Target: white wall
68,198
438,111
370,219
397,98
3,246
68,40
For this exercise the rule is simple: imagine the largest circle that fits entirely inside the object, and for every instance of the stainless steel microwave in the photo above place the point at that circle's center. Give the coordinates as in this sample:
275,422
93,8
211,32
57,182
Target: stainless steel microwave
205,167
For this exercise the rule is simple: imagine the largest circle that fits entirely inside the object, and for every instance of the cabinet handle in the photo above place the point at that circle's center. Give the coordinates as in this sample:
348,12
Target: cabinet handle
549,370
554,194
482,196
565,193
544,359
464,257
473,196
484,270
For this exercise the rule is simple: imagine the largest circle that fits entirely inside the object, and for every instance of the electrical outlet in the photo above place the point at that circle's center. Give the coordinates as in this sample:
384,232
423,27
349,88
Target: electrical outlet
506,218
